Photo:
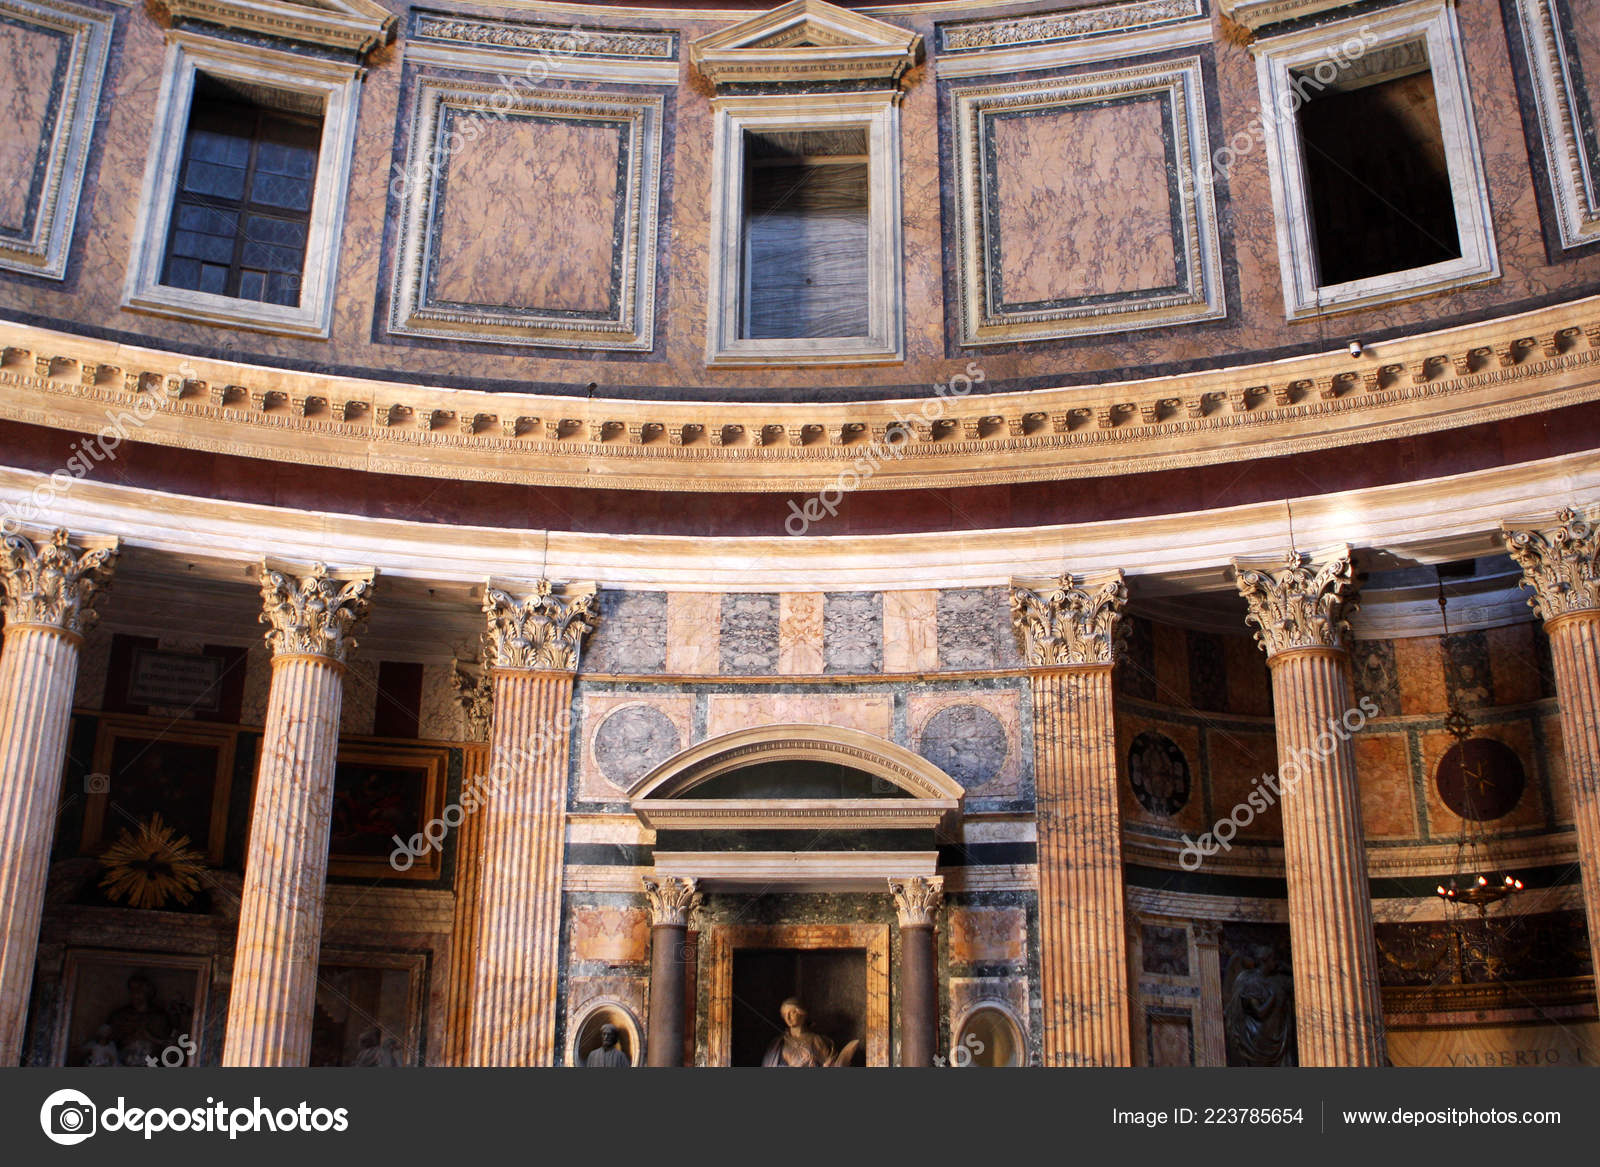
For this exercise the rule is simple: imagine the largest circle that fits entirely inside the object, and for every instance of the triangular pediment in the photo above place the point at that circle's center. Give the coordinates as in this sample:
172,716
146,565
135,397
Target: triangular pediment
356,25
807,40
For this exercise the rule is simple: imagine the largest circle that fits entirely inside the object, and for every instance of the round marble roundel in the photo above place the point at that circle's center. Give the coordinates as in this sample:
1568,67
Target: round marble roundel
1480,779
633,741
1159,774
967,742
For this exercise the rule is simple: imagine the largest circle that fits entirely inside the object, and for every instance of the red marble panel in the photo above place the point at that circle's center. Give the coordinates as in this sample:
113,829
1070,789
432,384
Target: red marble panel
1388,796
988,935
1249,682
1421,670
614,935
1513,664
528,217
1237,761
1172,664
1084,208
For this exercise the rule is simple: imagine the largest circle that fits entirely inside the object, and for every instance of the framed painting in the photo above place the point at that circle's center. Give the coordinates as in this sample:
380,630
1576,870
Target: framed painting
125,1008
144,768
378,793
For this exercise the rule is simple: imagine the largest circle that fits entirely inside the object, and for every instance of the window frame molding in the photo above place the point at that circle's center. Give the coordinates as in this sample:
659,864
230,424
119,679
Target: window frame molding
878,113
1574,179
1434,23
337,84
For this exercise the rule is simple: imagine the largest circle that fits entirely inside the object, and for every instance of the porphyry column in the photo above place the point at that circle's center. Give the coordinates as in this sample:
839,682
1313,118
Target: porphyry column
672,898
313,615
1067,631
916,902
531,645
49,590
1299,610
1561,564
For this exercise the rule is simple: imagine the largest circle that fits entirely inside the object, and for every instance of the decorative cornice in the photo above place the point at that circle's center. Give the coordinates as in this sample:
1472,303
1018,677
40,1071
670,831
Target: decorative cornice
1074,622
1299,605
1256,14
808,41
315,613
1471,375
917,900
553,40
52,582
543,630
1075,24
672,898
1560,564
474,687
356,25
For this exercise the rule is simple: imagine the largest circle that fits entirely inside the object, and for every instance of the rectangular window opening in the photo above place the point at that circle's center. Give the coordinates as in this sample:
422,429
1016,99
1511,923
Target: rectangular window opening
242,212
805,234
1376,171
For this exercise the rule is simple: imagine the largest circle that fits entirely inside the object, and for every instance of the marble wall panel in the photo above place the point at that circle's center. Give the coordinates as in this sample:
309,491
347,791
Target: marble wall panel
1466,669
692,624
1208,671
1388,792
632,635
1555,764
975,737
1172,665
1249,681
1190,817
1237,759
974,629
988,935
94,664
1529,811
868,712
610,935
31,58
1083,200
1514,663
749,633
800,633
625,736
552,191
1374,674
853,632
1170,1036
359,704
439,715
1420,668
910,631
1136,671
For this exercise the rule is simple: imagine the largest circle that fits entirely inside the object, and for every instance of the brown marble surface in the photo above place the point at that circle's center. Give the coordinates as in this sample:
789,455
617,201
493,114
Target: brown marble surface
27,61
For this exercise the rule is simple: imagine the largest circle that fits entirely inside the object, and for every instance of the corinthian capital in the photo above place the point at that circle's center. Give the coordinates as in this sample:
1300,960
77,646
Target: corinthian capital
1073,622
917,900
542,631
314,614
1299,605
1560,564
53,582
672,898
475,691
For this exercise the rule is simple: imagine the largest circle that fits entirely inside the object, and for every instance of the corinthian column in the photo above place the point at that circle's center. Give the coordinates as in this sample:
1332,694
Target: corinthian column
50,588
531,645
672,898
475,691
312,618
916,902
1300,611
1561,564
1066,628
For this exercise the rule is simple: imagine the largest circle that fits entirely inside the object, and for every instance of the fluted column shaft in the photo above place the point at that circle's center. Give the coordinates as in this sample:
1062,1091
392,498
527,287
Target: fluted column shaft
1084,971
464,925
50,587
1338,1009
518,896
38,671
313,615
1575,655
273,998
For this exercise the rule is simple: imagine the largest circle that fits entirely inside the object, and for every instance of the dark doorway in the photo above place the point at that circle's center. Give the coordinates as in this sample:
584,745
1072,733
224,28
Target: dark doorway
830,982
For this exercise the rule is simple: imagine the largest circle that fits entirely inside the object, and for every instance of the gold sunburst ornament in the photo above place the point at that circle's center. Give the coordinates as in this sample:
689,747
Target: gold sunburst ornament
151,865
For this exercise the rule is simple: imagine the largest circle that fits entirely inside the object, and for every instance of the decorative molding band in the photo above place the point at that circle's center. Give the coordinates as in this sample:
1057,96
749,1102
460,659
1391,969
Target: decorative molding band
356,25
53,182
796,870
1255,14
1076,24
1567,110
627,323
989,315
1480,373
540,51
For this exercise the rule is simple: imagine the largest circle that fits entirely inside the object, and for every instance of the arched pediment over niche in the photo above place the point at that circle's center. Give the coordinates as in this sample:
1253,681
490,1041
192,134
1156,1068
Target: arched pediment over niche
855,779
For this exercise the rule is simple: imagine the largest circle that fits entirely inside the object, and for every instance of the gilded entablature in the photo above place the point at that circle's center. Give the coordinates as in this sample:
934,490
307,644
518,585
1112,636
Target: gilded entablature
1075,24
1480,373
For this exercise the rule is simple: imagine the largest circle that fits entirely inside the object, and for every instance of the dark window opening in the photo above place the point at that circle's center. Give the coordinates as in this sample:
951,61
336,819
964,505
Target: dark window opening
1377,178
243,208
805,235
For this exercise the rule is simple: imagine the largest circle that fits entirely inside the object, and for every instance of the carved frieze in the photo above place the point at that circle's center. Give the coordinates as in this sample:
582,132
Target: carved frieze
1075,24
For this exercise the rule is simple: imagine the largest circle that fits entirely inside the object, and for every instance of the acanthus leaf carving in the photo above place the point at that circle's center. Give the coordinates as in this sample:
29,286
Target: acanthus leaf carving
1300,605
672,898
1074,623
475,691
543,630
917,899
52,582
1560,564
316,613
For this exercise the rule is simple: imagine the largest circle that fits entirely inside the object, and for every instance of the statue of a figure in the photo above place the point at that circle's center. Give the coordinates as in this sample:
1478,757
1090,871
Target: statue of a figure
608,1053
1259,1010
101,1049
799,1046
141,1028
377,1050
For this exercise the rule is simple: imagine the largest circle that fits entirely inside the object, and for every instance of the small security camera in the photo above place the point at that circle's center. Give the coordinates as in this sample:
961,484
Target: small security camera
1355,348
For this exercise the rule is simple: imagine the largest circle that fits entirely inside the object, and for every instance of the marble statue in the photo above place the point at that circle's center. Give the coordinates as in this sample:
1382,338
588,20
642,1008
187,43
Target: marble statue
1259,1009
141,1028
799,1046
608,1053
